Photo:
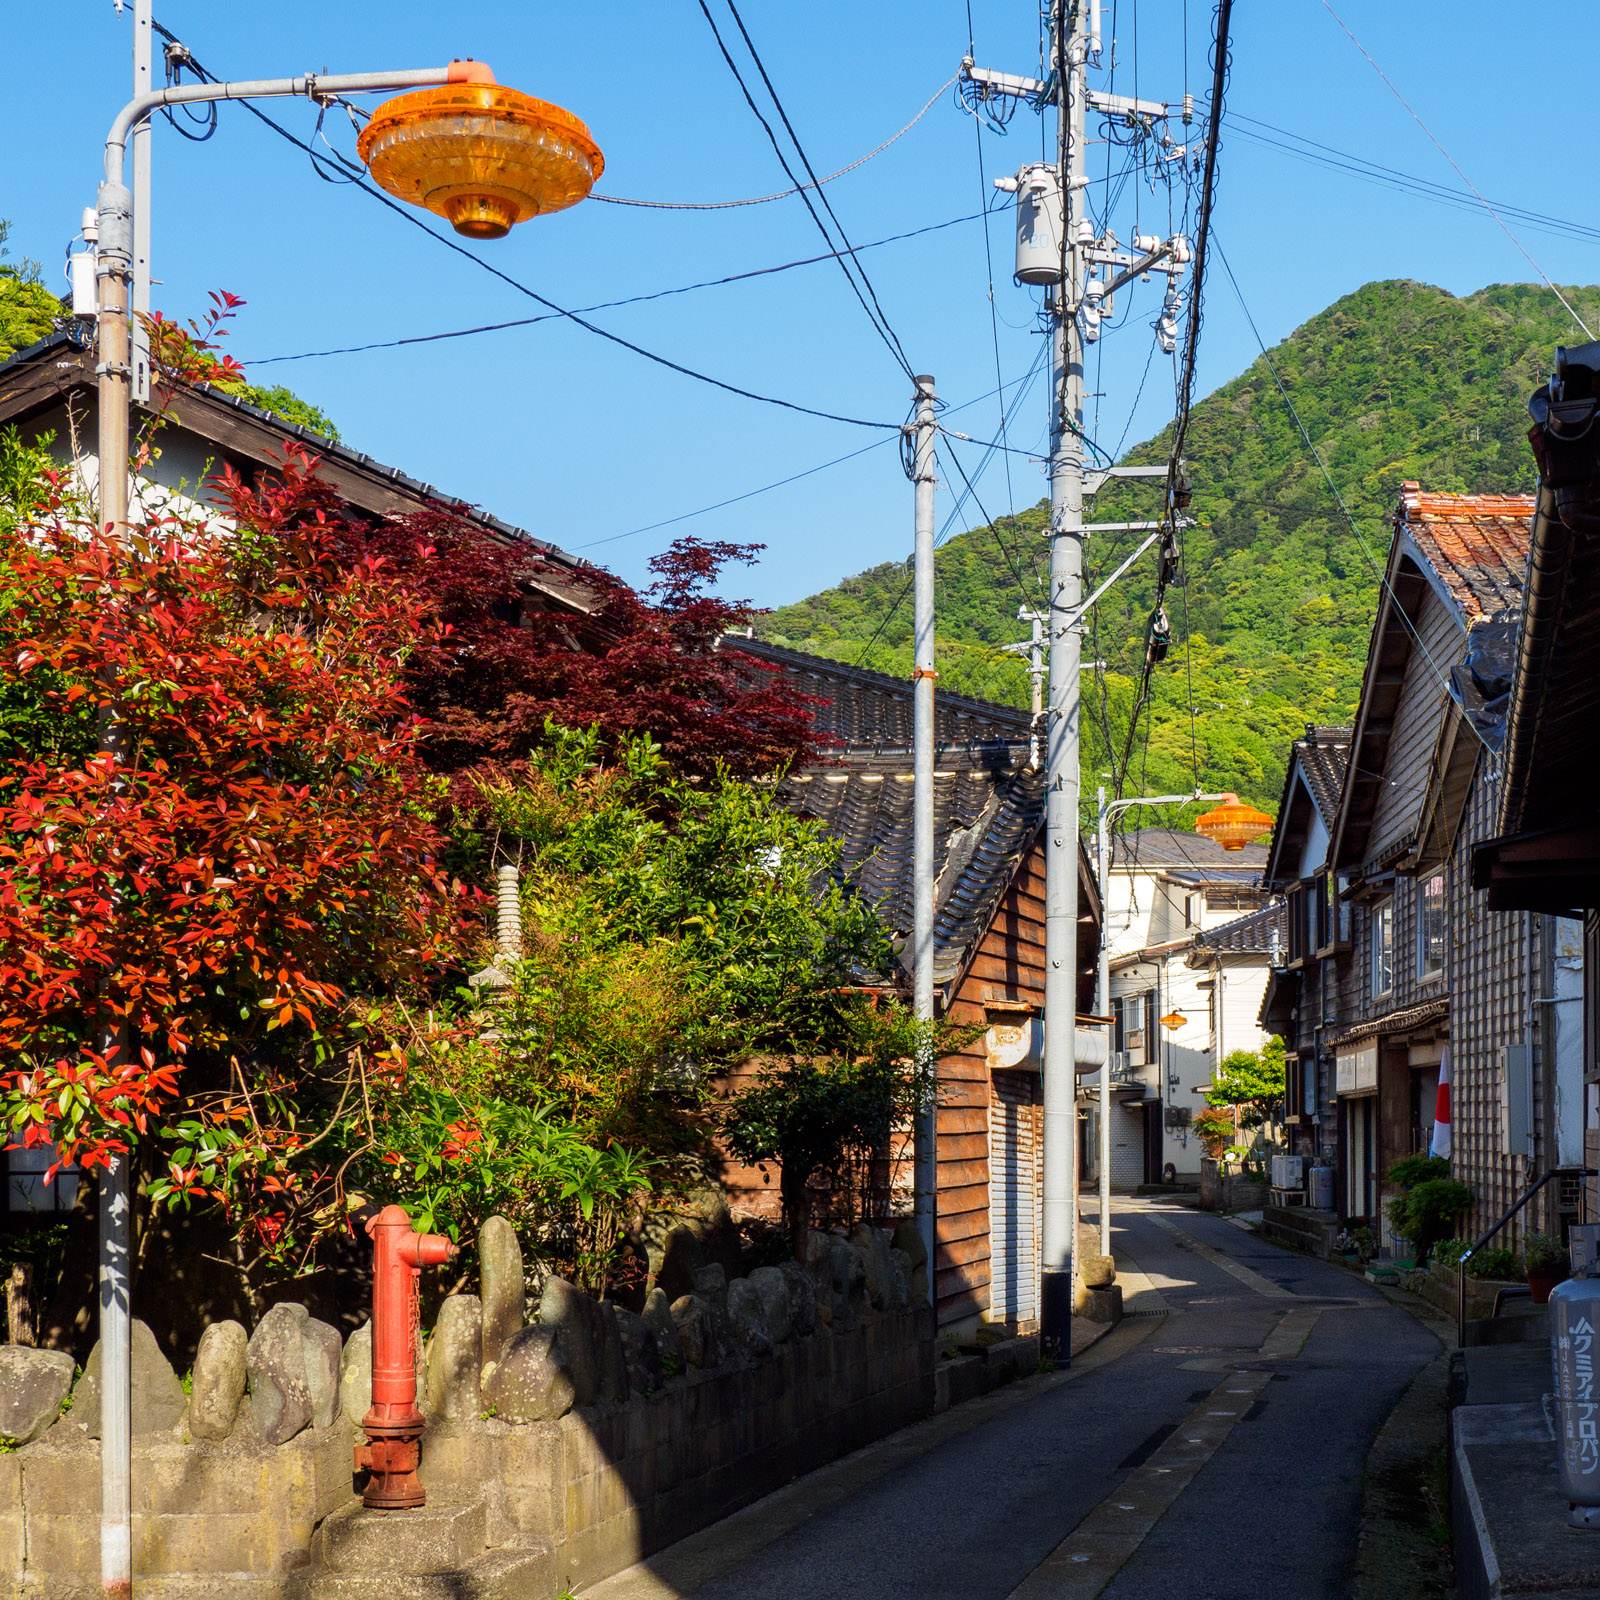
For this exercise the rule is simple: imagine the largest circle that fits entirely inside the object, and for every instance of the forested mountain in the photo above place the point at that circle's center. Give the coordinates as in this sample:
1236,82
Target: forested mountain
1397,381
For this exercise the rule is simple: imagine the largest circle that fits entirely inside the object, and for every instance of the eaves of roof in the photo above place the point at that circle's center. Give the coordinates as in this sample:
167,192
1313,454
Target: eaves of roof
41,376
866,708
1258,933
1393,1022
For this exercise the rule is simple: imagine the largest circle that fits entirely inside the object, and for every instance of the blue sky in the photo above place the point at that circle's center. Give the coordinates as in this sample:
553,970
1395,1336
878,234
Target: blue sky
581,441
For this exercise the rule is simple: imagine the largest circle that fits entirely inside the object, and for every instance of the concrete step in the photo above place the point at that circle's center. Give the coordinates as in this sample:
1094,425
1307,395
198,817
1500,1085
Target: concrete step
525,1573
442,1536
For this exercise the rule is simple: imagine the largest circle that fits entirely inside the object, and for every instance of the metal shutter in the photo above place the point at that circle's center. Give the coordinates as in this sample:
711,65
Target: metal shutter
1014,1201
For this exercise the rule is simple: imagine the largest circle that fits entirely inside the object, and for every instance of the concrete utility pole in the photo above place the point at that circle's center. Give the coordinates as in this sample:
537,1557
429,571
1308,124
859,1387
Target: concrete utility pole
926,1131
1059,1246
1057,248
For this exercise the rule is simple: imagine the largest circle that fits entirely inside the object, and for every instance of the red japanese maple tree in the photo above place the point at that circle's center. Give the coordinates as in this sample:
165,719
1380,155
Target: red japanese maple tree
528,641
266,849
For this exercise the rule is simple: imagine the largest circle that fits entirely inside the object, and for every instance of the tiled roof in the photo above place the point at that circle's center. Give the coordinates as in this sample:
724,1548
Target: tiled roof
1151,849
985,817
988,801
868,708
1263,932
1394,1022
1476,544
75,336
1324,754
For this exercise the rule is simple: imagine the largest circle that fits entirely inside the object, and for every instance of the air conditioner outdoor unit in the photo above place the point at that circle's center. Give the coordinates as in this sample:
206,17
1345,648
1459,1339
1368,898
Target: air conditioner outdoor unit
1288,1172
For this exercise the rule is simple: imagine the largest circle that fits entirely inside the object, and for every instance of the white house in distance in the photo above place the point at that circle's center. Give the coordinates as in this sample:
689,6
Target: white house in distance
1166,886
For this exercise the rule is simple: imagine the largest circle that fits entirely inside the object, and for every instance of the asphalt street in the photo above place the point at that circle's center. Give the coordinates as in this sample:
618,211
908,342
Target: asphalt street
1141,1479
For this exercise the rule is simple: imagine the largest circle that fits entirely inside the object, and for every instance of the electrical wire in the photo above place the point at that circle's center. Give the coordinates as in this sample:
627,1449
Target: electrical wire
782,194
863,289
1332,159
606,305
1171,560
793,478
827,204
1434,140
602,333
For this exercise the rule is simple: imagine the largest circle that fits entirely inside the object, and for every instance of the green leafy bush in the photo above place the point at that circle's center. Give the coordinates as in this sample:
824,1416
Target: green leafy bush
1429,1211
1409,1171
1546,1257
1499,1264
1448,1252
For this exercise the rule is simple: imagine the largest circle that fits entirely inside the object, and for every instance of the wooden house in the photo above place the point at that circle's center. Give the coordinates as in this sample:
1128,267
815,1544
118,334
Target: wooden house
1314,957
988,954
1543,857
1433,967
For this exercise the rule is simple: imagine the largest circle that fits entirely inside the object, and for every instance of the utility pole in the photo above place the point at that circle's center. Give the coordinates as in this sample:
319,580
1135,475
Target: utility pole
926,1130
1102,1006
1033,648
1058,249
1070,41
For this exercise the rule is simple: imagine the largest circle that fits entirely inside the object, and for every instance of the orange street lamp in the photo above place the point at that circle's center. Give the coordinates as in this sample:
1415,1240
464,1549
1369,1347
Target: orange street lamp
481,156
1173,1021
1233,824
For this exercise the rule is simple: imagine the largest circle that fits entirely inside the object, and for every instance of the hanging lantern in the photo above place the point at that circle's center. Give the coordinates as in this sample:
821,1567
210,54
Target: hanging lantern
479,155
1233,824
1173,1021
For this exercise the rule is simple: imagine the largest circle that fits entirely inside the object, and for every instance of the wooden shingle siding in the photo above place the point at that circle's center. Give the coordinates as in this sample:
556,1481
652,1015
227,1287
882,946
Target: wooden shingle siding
1008,965
1416,731
1488,964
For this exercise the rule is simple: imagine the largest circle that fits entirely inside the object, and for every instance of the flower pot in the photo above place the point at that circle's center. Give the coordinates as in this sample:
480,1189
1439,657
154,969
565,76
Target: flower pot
1539,1287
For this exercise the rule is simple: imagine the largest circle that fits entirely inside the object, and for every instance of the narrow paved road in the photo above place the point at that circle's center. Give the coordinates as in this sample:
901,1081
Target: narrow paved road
1218,1458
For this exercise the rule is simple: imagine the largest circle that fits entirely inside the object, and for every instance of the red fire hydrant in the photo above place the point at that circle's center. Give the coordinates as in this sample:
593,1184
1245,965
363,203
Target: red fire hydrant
394,1425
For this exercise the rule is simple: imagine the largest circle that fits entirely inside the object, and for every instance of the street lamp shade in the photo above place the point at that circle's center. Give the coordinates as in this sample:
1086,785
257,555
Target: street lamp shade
1173,1021
1233,824
480,155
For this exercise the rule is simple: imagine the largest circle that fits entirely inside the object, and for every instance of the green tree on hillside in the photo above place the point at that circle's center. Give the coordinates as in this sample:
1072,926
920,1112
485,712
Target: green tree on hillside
1397,381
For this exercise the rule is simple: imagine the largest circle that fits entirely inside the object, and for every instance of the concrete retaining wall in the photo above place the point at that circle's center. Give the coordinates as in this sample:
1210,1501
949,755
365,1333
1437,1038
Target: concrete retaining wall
1228,1191
543,1507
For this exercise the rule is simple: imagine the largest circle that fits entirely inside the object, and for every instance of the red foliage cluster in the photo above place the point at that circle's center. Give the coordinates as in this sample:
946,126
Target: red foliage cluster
515,652
267,846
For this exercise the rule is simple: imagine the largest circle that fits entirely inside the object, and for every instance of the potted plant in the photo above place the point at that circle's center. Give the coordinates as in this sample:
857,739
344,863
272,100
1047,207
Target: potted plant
1547,1263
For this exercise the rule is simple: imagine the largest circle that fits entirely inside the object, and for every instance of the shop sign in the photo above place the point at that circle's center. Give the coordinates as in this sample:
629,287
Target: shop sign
1356,1067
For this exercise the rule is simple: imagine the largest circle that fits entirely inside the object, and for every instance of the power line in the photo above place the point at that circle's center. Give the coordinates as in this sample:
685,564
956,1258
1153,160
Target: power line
607,305
782,194
1332,159
827,204
793,478
1433,139
845,257
358,180
877,444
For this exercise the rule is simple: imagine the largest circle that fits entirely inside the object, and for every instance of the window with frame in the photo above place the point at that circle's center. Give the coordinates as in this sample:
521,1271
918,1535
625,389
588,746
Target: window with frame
1430,926
1380,927
1194,910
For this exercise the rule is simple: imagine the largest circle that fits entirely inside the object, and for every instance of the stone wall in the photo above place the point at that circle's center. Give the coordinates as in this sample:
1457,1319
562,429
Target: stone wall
557,1451
1225,1190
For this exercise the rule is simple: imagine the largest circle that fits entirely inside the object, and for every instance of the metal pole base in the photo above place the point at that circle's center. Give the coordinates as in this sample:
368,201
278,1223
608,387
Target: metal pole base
1055,1315
392,1454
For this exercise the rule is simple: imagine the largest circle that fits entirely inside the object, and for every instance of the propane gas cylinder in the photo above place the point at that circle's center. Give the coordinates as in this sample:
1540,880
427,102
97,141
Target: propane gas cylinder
1575,1355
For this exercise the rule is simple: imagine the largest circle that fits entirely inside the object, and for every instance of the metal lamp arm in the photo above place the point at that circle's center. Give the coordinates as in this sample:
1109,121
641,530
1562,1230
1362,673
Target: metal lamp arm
309,85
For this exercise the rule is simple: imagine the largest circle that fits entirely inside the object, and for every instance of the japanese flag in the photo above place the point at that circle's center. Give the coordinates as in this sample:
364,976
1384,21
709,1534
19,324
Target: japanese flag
1439,1145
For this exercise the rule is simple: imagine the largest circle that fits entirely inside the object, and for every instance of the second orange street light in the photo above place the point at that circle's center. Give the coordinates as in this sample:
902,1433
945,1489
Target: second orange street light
480,155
